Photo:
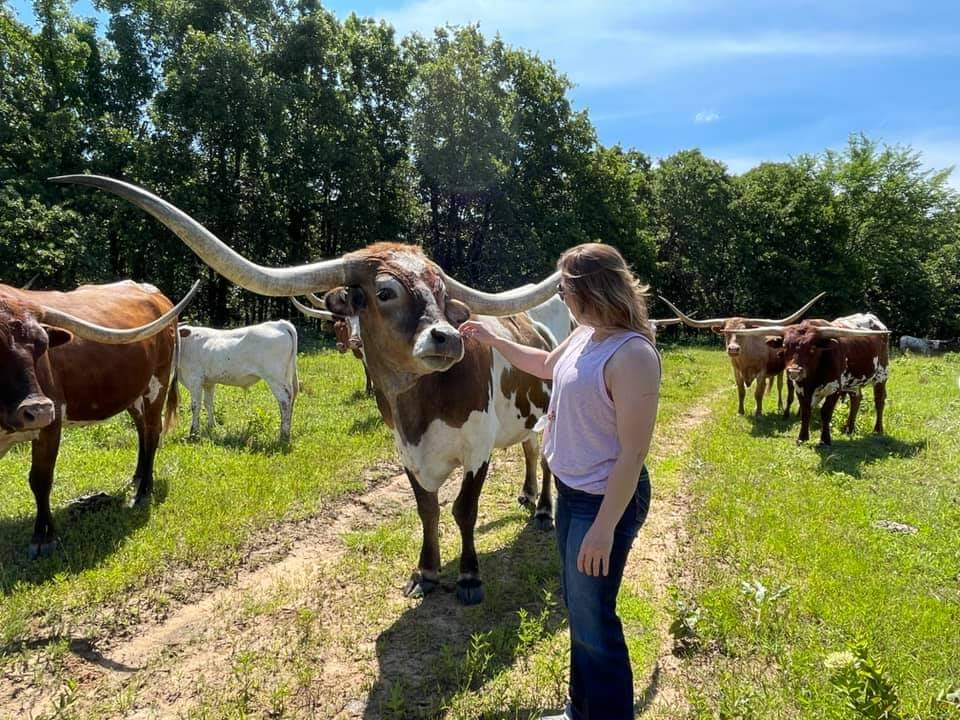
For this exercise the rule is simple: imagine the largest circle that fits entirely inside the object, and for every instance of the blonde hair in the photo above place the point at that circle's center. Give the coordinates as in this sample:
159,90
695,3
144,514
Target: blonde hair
605,287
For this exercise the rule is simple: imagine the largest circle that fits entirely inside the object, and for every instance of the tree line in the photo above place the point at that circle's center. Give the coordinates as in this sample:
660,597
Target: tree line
294,135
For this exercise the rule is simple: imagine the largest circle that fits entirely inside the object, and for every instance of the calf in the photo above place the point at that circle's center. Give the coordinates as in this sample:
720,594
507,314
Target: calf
239,357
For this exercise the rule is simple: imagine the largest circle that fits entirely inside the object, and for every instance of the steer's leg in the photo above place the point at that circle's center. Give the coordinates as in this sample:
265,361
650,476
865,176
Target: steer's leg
805,402
196,395
855,398
543,515
44,458
285,397
149,421
758,392
208,403
786,412
779,391
469,585
427,575
879,400
741,391
826,413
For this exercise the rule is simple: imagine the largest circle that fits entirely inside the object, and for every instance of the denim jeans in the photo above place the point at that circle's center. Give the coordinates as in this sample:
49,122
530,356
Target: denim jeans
601,681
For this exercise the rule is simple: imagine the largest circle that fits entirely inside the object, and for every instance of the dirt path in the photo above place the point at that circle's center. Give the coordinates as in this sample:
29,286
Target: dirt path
292,610
661,566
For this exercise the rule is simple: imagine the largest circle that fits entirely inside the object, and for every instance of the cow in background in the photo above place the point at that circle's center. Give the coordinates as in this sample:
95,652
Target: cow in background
448,400
240,357
826,360
81,357
346,331
750,356
924,346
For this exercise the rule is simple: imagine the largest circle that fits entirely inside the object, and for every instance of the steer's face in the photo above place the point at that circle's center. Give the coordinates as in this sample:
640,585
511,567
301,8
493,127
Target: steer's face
732,340
407,322
23,343
803,348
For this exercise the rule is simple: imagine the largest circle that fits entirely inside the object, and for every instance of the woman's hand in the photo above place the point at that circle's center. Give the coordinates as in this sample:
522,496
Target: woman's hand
478,331
594,556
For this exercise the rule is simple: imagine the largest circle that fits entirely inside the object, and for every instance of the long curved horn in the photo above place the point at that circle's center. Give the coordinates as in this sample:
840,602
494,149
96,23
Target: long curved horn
689,321
768,330
832,331
789,319
274,282
316,301
114,336
666,321
30,282
505,303
310,312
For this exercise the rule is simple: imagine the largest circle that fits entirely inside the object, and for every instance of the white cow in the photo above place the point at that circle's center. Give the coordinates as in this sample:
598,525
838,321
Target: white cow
860,321
925,346
239,357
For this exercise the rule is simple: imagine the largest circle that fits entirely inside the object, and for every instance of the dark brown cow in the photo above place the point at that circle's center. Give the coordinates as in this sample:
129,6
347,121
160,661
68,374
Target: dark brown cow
750,357
56,369
825,361
449,401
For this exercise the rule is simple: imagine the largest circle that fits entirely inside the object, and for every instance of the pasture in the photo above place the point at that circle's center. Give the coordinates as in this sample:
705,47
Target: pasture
265,581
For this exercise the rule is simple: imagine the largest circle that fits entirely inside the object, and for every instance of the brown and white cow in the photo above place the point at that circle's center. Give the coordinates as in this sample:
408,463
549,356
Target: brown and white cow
81,357
449,401
826,360
750,356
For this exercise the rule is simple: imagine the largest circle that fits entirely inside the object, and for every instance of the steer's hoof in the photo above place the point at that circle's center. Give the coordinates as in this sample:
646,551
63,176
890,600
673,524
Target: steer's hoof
39,550
419,586
139,502
543,521
524,501
469,591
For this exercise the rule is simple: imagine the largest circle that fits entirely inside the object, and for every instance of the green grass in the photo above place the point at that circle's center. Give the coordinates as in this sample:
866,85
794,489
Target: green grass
802,520
210,498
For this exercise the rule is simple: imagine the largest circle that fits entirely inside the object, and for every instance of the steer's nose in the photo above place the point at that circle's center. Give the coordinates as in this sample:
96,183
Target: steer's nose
438,336
795,373
733,349
34,413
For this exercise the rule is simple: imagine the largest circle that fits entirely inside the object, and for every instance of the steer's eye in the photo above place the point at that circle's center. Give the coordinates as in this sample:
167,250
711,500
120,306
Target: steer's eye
384,294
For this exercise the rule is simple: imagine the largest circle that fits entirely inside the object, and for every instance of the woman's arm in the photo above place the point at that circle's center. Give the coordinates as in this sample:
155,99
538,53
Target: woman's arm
534,361
633,376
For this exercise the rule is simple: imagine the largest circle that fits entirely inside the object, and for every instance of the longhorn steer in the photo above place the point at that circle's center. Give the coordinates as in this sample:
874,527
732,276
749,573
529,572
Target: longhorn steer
345,330
825,360
924,346
750,357
81,357
240,357
449,401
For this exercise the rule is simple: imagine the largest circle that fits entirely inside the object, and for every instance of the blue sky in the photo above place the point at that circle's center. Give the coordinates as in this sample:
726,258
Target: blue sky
744,81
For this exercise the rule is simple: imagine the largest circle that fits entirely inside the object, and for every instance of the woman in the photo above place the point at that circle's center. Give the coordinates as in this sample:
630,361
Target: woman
606,380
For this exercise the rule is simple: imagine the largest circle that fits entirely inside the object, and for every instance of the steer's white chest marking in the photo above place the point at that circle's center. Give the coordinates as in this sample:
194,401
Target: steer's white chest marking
824,391
442,448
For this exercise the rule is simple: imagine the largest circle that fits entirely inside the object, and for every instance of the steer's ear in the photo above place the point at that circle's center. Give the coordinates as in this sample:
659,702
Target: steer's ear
827,343
457,312
718,329
57,336
184,332
774,341
345,301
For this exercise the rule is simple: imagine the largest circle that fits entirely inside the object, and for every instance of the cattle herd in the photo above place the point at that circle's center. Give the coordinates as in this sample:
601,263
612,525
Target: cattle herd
86,355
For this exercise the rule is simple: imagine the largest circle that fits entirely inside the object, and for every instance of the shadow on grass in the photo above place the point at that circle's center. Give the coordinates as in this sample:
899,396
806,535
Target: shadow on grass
85,539
850,455
364,425
251,440
772,424
438,649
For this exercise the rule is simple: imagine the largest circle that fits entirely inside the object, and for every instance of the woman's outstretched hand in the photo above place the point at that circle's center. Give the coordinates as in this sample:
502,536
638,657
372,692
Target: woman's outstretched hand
478,331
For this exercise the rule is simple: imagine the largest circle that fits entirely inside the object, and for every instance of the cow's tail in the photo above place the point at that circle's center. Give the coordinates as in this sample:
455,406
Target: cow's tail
292,377
173,393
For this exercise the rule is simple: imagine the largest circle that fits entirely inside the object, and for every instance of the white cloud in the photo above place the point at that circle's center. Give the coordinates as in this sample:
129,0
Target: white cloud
705,117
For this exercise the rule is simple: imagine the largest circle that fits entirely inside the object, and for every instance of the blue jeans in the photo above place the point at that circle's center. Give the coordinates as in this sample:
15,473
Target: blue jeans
601,681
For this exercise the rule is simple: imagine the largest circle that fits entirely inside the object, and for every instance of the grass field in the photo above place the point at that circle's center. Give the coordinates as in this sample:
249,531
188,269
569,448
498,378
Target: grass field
265,582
